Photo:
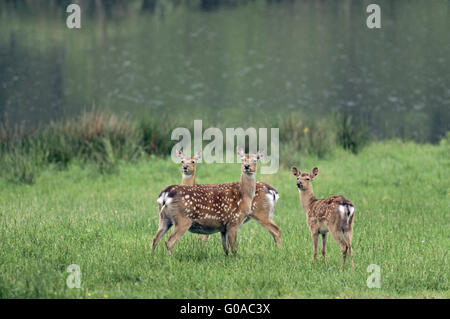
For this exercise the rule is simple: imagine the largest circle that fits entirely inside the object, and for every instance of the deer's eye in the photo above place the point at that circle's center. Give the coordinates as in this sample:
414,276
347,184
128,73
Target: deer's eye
193,162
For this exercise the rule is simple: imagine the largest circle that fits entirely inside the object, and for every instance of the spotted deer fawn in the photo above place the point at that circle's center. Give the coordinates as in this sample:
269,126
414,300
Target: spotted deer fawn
334,214
207,209
263,204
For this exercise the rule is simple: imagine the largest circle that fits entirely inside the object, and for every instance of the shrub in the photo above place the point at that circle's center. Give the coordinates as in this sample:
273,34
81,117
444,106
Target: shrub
21,164
105,138
156,135
316,138
351,136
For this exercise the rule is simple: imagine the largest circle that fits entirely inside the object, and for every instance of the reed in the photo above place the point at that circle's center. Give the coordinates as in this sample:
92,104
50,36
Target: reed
106,138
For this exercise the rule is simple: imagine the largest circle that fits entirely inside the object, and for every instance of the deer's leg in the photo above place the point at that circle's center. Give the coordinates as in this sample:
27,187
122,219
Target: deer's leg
315,239
348,238
164,224
341,242
231,237
262,217
202,237
182,224
223,236
324,246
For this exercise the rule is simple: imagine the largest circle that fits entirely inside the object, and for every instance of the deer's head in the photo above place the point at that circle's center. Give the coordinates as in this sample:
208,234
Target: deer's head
249,162
188,163
304,180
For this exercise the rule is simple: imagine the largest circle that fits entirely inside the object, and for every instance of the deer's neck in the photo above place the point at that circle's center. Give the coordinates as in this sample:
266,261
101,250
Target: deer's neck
188,180
247,189
307,198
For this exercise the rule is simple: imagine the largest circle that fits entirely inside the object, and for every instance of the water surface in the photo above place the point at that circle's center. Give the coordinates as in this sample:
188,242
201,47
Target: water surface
231,62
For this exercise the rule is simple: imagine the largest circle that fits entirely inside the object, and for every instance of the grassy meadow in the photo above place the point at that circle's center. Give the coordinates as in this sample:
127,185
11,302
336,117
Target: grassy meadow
105,224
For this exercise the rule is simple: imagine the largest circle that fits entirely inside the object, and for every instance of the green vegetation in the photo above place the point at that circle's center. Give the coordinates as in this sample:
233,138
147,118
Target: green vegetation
104,138
105,224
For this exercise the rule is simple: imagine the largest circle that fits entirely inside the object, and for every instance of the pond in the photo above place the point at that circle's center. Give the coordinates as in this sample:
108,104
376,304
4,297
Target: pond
230,62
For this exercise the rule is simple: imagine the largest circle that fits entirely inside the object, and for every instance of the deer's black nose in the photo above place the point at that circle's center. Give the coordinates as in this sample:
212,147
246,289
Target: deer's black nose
185,167
246,166
299,184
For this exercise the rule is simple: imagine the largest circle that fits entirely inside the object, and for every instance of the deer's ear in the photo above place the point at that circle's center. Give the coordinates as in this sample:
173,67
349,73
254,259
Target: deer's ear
295,171
260,154
240,152
198,155
180,154
314,172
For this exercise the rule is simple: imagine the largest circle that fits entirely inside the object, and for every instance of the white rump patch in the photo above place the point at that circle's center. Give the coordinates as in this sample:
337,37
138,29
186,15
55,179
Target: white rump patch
164,200
342,211
351,209
161,199
274,195
272,198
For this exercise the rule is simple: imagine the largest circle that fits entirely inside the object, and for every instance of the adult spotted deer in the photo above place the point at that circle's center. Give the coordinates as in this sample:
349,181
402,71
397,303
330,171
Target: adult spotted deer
188,169
334,214
207,209
263,204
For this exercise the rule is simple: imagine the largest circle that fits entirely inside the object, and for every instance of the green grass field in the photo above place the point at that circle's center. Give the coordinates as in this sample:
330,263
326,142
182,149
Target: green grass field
105,224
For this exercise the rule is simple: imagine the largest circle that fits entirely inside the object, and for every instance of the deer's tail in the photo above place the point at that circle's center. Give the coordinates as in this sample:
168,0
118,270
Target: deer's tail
346,209
272,196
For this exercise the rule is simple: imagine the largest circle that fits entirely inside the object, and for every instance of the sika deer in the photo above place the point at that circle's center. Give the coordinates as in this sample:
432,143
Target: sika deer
207,209
263,207
334,214
263,204
188,168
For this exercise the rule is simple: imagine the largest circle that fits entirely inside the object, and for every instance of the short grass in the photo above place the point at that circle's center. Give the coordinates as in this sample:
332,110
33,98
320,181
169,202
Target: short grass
105,224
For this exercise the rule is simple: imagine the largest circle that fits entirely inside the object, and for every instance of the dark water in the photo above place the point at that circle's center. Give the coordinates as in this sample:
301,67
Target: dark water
231,62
